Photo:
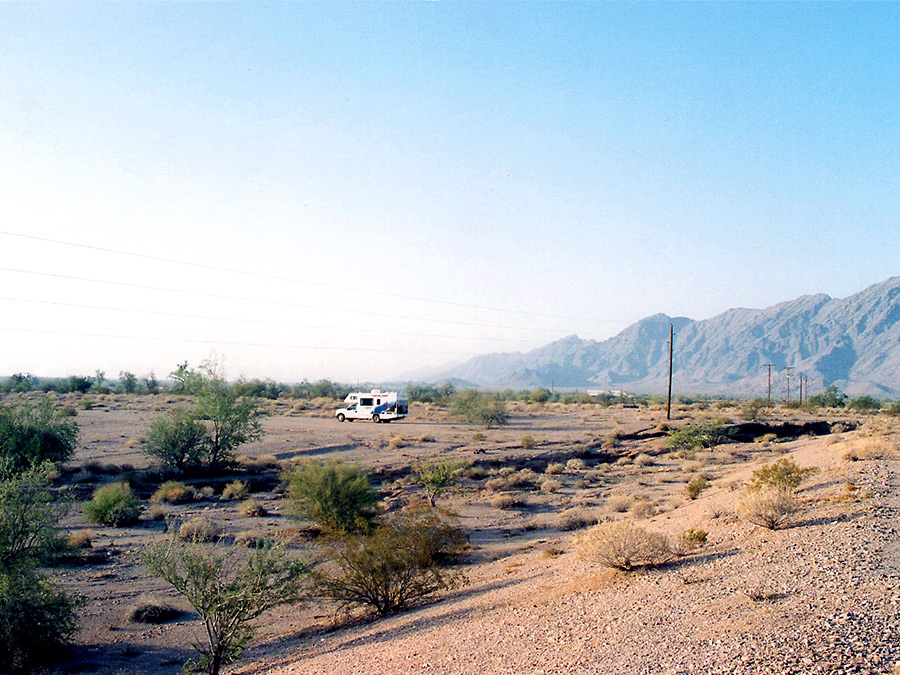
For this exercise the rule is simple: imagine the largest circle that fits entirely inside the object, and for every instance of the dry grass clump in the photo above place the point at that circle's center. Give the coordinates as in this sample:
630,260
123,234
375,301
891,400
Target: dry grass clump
426,438
496,484
574,465
505,501
555,468
622,545
867,449
624,461
550,485
80,539
396,442
642,508
199,530
260,464
174,492
252,539
770,507
643,459
236,490
252,508
506,471
619,503
576,518
150,610
527,442
691,540
523,478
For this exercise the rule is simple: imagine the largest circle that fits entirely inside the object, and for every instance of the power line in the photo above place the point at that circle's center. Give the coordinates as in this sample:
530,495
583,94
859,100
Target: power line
380,349
275,277
281,303
255,321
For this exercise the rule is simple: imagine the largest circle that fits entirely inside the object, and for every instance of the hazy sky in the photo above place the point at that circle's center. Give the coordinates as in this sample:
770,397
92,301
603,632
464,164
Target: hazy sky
357,191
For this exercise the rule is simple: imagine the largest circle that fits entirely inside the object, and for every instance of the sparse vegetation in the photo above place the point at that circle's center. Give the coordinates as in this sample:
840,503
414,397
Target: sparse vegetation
173,492
769,507
479,408
437,476
235,490
199,530
782,473
695,486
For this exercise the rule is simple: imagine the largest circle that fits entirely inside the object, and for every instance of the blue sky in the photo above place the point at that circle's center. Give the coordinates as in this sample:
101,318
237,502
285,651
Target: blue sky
453,178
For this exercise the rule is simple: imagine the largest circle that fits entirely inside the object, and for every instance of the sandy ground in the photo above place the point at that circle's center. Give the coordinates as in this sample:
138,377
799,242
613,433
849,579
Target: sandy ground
829,583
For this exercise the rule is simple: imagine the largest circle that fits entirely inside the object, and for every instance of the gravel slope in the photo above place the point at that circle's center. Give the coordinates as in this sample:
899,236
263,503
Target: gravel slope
832,587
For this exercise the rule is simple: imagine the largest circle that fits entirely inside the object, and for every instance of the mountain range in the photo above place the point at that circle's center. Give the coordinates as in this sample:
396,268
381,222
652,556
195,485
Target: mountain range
853,343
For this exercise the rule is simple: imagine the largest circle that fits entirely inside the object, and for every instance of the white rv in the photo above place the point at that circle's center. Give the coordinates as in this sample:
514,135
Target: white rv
375,405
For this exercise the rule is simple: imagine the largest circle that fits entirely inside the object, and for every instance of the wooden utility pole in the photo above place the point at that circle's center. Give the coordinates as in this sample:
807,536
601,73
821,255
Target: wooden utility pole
769,394
789,369
671,352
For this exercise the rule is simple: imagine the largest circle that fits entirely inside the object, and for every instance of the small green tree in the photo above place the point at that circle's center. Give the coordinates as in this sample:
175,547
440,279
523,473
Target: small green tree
865,404
228,590
782,473
830,398
28,517
113,504
34,433
479,408
435,477
330,493
177,439
127,382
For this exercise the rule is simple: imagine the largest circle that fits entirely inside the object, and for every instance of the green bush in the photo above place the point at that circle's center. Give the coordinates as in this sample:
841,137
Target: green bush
437,476
34,433
28,518
114,505
332,494
173,492
394,566
693,437
177,439
830,398
479,408
36,619
228,589
782,473
695,486
865,404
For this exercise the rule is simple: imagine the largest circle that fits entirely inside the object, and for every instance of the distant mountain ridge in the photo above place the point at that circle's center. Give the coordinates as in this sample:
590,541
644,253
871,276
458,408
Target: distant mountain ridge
852,342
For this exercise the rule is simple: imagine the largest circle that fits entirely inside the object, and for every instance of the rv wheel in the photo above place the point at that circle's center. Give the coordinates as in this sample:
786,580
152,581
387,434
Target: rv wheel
376,419
341,417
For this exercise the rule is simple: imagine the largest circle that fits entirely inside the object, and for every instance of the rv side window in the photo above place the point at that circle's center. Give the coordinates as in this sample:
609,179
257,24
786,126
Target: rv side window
365,401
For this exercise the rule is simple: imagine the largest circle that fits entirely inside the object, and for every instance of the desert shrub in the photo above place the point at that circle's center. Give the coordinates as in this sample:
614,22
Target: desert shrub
148,610
769,507
496,484
235,490
527,442
252,539
173,492
782,473
622,545
865,404
576,518
396,442
80,539
554,468
478,437
643,459
34,433
752,410
479,408
391,567
157,512
893,408
199,530
624,460
550,485
693,437
506,471
575,464
229,590
522,478
475,472
505,501
258,465
867,449
177,439
113,504
36,620
436,477
830,398
619,503
252,508
695,486
332,494
691,539
642,508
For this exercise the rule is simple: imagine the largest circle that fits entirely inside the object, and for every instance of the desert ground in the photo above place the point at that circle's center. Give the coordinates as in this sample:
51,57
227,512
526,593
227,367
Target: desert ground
821,595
